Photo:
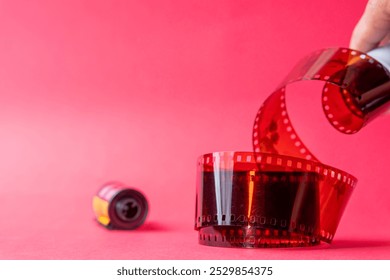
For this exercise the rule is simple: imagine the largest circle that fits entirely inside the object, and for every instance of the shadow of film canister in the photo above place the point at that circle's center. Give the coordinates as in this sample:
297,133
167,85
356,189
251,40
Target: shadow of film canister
116,206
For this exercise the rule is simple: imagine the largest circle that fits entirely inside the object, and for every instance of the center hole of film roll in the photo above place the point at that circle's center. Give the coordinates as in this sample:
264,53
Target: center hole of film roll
128,209
307,116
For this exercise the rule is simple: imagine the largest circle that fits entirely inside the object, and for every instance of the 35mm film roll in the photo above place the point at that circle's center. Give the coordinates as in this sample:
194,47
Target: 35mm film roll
117,206
281,195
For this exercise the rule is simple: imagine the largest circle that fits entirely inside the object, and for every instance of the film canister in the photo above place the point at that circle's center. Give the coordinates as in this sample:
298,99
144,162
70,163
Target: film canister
117,206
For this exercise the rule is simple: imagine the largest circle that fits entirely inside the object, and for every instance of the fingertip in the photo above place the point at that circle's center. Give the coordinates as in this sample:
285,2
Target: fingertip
365,36
372,27
358,40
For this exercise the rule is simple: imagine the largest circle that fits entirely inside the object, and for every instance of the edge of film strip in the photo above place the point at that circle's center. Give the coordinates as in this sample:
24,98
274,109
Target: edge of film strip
287,162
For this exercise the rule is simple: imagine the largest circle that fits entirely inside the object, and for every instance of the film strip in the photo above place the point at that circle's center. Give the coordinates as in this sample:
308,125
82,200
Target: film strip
281,195
117,206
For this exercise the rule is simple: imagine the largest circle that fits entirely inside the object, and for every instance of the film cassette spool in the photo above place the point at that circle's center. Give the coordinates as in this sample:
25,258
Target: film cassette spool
117,206
281,195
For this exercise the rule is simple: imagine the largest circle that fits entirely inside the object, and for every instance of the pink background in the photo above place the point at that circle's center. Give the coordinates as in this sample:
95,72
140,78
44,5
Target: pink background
135,91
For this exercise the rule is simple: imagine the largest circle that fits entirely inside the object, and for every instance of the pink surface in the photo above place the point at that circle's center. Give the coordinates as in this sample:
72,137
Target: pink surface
135,91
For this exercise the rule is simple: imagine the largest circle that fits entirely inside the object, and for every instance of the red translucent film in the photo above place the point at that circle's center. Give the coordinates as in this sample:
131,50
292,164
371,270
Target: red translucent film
281,195
287,202
353,93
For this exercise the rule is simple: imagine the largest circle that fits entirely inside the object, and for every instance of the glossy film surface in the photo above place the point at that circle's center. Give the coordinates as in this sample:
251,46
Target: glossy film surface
281,195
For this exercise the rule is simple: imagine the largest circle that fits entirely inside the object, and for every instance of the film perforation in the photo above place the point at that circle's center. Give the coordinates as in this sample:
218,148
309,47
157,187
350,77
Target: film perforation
255,238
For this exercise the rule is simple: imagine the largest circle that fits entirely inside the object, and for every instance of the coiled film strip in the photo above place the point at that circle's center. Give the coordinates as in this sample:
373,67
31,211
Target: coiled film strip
117,206
281,195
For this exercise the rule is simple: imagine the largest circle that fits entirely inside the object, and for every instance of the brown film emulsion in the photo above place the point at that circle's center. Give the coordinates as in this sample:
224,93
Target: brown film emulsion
281,195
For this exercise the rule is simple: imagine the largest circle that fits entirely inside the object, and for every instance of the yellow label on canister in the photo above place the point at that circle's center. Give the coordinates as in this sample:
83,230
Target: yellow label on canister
100,207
